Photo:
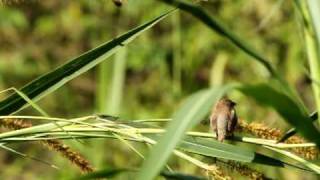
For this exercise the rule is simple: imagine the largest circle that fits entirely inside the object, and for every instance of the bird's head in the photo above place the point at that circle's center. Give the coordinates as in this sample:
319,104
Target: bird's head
228,102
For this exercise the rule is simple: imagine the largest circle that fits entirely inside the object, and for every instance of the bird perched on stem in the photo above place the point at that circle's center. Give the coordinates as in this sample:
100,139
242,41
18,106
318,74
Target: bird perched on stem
223,119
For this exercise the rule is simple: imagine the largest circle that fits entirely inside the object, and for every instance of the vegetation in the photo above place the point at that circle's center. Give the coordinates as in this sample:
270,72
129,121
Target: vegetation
143,112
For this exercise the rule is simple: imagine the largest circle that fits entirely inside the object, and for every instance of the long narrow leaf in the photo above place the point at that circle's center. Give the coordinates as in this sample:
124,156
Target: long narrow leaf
217,149
58,77
312,39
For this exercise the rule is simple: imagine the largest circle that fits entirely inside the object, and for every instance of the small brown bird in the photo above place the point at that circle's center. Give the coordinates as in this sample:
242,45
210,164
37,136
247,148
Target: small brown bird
223,119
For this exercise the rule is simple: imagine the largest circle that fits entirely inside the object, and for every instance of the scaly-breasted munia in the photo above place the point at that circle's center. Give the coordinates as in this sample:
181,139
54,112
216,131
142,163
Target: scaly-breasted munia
223,119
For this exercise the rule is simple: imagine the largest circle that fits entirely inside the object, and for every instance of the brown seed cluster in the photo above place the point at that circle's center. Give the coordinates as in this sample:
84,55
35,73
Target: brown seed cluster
262,131
307,152
73,156
217,173
68,153
15,124
245,170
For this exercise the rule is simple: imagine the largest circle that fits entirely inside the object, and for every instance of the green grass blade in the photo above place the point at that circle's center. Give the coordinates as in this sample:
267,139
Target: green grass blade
312,38
218,70
286,107
314,9
216,149
103,81
117,84
213,148
177,55
191,112
58,77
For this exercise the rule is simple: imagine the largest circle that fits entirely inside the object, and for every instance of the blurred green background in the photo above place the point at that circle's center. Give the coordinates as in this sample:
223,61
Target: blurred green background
148,79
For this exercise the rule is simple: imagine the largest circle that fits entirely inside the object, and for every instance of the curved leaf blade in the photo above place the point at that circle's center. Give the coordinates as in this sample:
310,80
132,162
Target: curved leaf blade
191,112
285,106
313,116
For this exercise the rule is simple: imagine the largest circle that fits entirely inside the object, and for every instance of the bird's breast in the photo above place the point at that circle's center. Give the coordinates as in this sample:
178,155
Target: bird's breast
222,122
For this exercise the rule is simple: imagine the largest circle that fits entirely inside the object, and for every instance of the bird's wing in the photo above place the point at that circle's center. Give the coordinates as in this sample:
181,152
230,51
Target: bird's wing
232,121
213,121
